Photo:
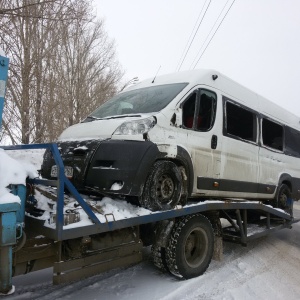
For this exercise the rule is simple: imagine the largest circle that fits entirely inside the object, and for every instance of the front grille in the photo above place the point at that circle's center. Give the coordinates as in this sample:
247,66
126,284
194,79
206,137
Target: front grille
76,154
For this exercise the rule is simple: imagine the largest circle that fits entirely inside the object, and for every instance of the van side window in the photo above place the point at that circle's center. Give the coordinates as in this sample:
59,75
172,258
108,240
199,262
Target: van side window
199,110
188,110
207,110
292,141
240,122
272,134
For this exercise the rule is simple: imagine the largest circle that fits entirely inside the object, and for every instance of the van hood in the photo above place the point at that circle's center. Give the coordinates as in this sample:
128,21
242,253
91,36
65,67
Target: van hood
96,129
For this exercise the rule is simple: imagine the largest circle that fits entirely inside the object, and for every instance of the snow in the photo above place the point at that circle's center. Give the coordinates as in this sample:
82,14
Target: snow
2,52
116,186
268,268
13,171
83,148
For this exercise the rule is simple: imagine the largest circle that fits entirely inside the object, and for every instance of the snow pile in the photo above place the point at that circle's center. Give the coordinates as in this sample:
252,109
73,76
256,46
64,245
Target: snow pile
13,172
121,209
106,210
32,157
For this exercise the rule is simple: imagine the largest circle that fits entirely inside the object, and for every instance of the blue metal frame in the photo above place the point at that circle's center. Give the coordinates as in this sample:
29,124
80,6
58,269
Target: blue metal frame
20,191
7,240
3,78
60,234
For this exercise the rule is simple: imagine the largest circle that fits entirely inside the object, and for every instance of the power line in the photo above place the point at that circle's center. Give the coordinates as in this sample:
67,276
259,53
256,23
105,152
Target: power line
195,33
214,34
187,43
209,33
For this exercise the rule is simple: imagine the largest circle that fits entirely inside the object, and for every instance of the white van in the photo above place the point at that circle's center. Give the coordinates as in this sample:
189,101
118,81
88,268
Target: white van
194,134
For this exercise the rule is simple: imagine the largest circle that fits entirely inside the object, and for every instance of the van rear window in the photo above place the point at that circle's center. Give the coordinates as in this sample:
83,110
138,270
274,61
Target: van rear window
139,101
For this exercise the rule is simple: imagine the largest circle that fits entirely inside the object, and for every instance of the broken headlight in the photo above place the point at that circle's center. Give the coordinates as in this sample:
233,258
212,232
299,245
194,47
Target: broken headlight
135,127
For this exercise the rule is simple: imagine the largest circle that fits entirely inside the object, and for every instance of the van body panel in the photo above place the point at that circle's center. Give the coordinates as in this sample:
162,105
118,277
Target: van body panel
221,154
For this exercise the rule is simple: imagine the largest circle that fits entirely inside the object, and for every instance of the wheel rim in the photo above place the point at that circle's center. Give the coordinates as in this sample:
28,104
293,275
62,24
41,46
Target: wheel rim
165,188
283,199
196,247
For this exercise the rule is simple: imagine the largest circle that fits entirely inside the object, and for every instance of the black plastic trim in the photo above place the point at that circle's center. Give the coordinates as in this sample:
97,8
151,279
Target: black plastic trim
184,157
226,185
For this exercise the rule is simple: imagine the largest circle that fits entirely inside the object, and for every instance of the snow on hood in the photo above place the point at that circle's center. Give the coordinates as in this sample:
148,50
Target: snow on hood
97,129
13,172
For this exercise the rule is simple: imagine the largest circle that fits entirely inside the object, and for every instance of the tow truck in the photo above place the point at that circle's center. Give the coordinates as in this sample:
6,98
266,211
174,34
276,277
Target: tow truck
80,236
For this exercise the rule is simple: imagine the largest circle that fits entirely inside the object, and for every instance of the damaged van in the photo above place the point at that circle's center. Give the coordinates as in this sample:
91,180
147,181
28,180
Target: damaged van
194,134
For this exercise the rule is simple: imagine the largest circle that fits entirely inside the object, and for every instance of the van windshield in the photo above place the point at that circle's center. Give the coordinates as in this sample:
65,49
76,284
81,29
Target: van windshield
139,101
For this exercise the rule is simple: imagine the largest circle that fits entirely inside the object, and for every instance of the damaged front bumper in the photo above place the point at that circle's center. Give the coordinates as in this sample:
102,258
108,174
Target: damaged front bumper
105,167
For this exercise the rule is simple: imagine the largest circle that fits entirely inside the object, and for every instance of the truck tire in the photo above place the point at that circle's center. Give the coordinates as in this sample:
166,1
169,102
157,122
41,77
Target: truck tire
163,186
284,199
190,246
159,257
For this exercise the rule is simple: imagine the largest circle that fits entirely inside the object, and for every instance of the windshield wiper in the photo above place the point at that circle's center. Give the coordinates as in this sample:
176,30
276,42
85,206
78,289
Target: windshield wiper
89,119
92,118
121,116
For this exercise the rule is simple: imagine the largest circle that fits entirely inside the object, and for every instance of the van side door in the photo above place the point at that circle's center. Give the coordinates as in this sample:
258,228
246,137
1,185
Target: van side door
272,160
239,170
199,132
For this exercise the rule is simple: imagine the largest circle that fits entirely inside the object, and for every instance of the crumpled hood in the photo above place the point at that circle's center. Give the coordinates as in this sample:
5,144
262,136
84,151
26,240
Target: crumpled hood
97,129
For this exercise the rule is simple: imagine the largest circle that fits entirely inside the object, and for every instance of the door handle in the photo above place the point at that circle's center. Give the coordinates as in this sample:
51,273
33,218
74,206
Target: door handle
214,142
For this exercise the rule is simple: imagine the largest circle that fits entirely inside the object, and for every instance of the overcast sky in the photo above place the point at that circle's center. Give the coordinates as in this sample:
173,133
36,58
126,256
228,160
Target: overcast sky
258,43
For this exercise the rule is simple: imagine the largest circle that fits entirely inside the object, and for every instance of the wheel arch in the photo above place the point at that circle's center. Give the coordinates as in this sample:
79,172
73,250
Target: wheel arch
183,158
285,179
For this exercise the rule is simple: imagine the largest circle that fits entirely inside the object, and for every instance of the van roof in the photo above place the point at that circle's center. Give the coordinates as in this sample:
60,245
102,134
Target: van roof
227,87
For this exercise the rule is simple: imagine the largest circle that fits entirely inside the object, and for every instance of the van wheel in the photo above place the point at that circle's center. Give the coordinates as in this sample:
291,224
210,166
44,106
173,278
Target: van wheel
163,186
284,199
190,246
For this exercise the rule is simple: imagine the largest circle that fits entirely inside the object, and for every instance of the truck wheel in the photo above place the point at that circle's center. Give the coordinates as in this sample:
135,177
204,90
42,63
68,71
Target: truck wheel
190,246
163,186
283,199
159,257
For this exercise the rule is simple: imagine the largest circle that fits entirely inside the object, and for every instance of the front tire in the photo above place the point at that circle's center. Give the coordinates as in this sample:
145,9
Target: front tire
190,248
163,186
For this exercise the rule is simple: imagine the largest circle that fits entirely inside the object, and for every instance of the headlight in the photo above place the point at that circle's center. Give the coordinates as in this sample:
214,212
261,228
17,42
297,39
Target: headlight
135,127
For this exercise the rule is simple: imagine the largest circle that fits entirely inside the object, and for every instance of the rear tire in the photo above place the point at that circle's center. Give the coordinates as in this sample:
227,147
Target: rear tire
159,258
163,186
284,200
190,248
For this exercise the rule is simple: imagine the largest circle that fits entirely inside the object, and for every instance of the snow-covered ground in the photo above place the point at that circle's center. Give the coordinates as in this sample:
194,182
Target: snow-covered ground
269,268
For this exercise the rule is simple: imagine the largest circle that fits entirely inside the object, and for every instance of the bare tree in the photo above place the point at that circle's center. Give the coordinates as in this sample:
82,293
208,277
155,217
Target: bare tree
62,66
